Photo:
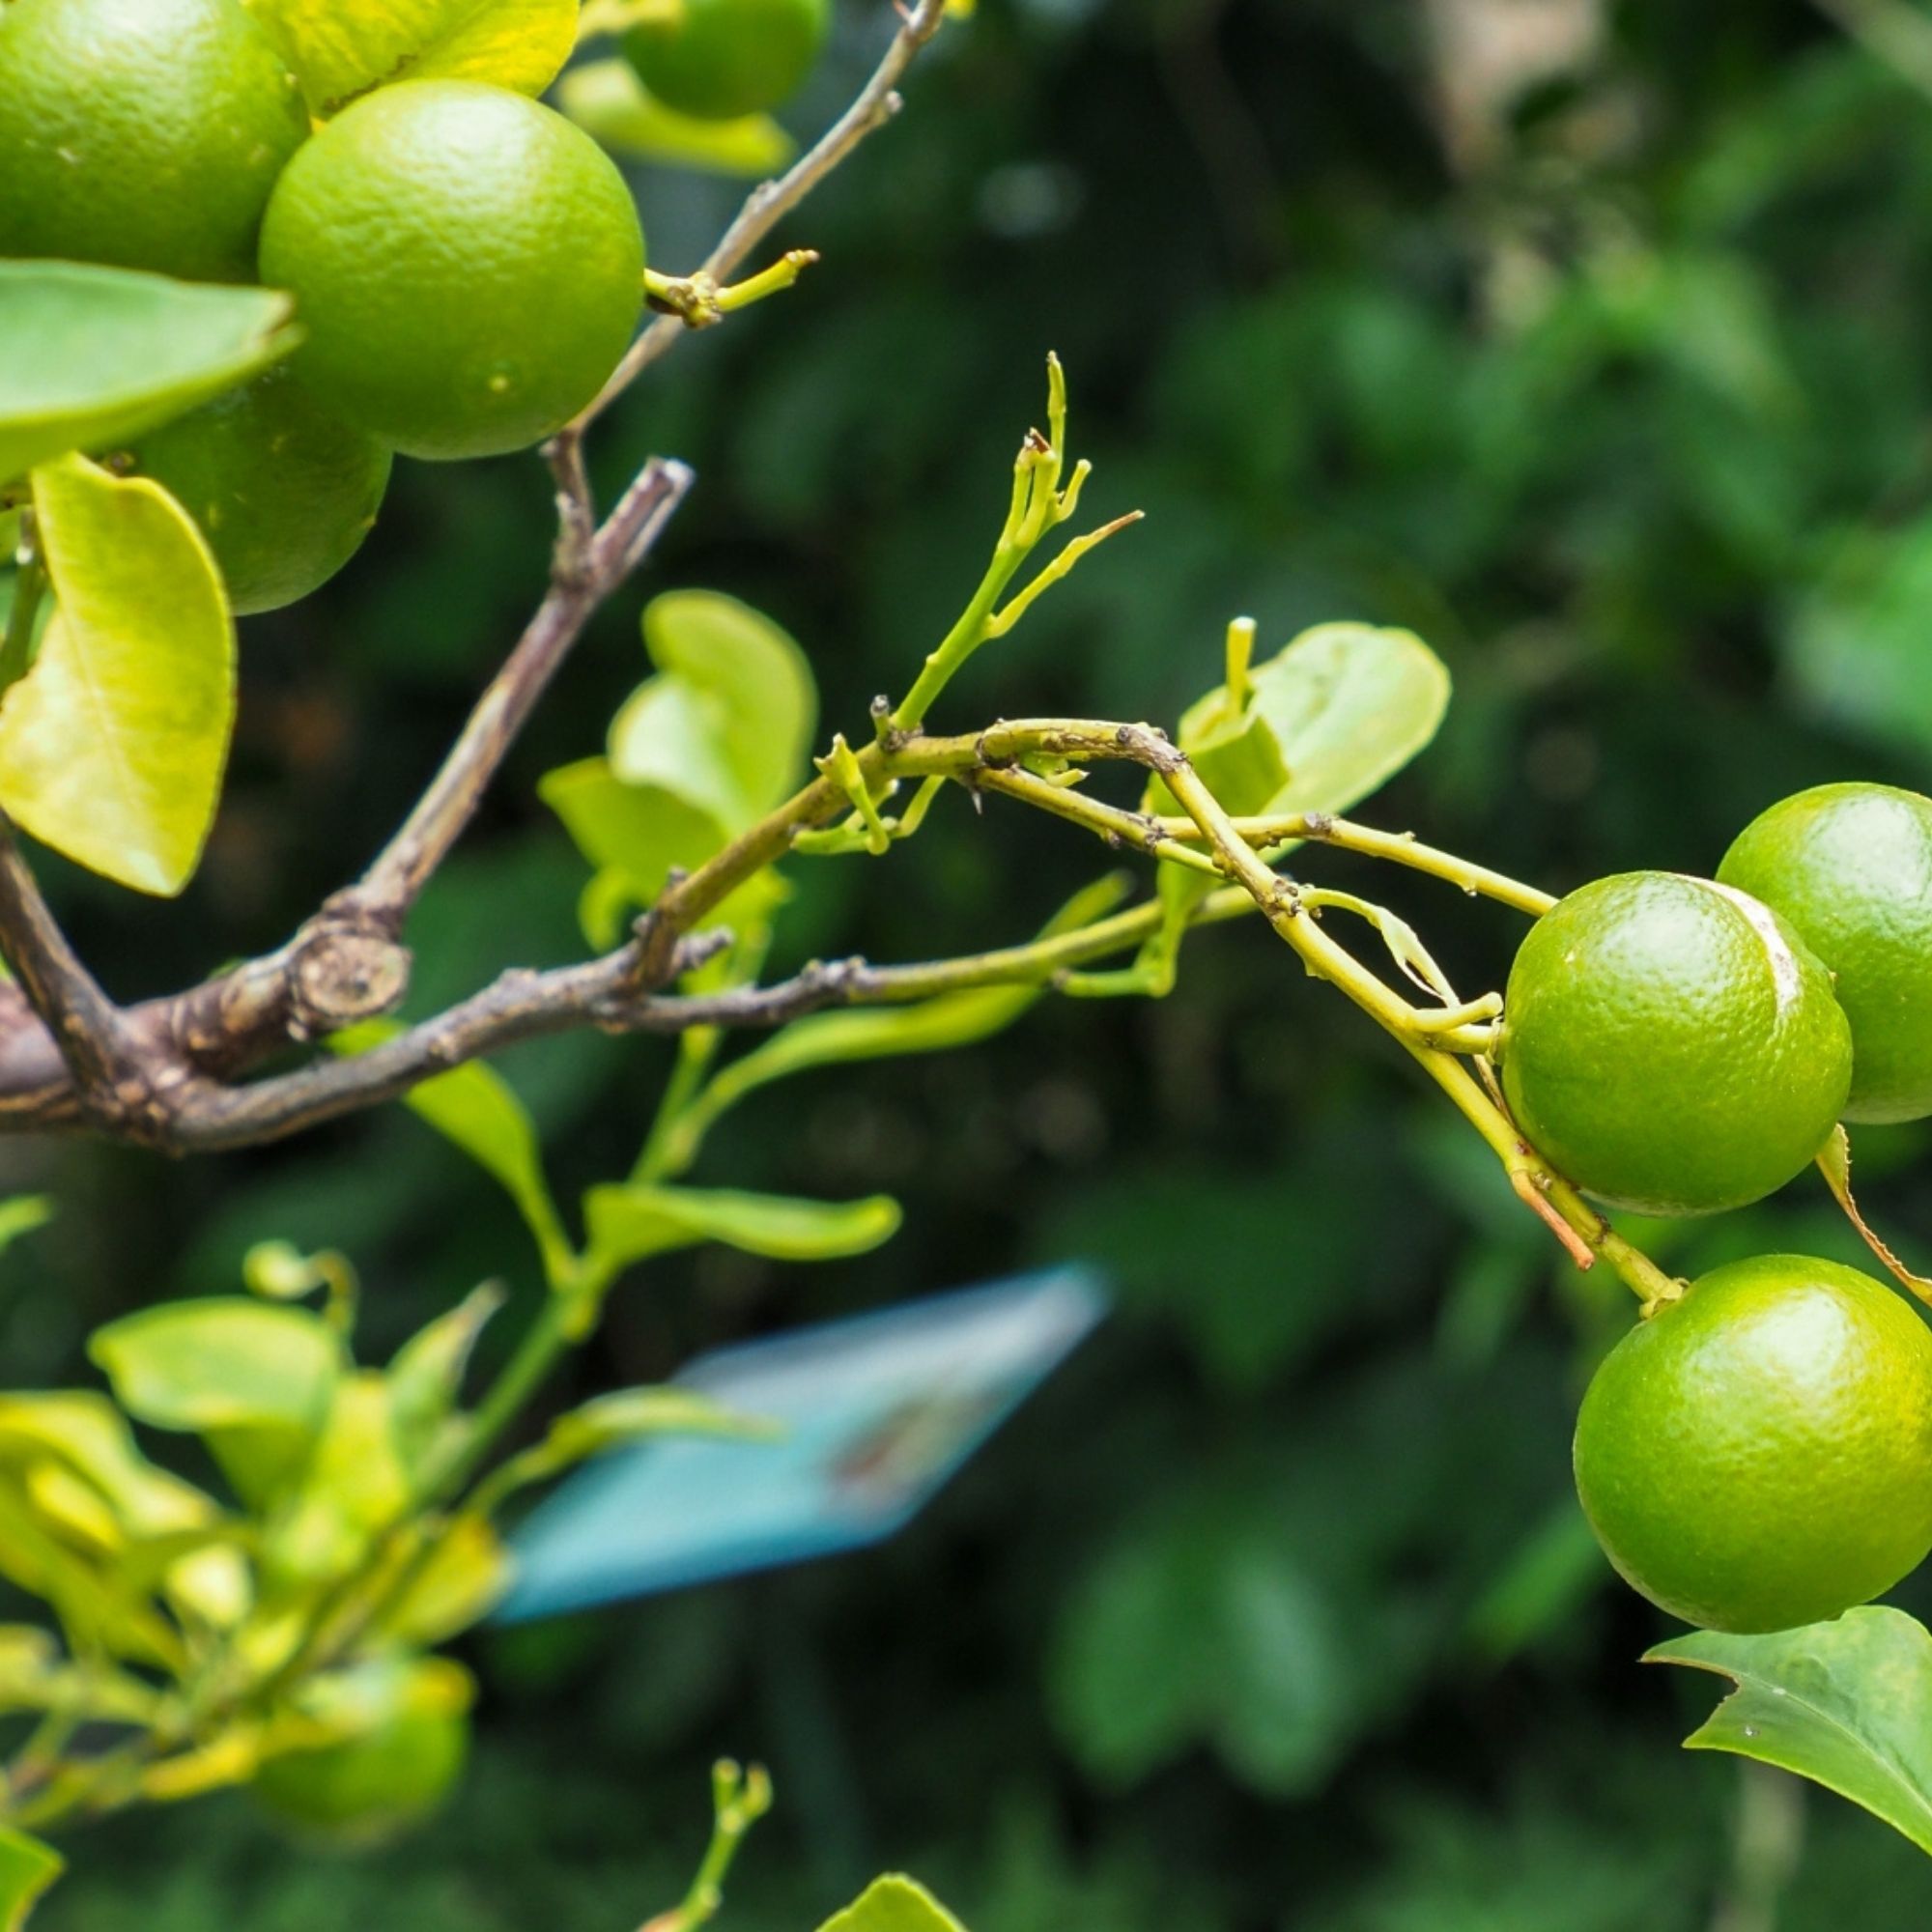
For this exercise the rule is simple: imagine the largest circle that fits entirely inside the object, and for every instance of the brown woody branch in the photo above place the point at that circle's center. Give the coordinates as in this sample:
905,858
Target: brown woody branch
159,1073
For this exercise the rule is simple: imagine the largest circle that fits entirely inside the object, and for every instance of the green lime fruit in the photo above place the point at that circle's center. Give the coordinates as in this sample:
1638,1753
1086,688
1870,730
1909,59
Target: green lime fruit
1849,868
469,266
716,60
1758,1455
1670,1045
141,133
283,489
379,1781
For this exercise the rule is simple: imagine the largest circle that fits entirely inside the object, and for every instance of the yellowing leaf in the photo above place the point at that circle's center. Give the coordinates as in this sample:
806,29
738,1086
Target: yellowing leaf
112,749
344,48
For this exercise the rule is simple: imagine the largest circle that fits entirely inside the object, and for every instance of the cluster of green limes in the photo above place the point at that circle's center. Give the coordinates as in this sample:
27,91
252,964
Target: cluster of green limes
1759,1453
467,266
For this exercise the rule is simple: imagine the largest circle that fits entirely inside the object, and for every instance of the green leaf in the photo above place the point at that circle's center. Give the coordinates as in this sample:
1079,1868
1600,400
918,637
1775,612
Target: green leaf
939,1025
607,100
21,1216
92,357
727,723
614,1422
112,748
220,1363
629,1223
895,1904
342,49
637,832
426,1377
1349,705
354,1487
1847,1704
624,1416
461,1582
27,1868
475,1109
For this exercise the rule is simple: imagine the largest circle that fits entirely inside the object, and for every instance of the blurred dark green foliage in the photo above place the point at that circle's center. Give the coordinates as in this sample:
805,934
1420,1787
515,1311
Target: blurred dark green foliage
1274,1611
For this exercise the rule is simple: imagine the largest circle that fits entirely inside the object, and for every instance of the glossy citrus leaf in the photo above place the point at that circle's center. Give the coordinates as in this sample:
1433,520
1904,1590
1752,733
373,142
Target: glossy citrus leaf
727,723
342,49
27,1868
112,748
475,1109
630,1223
607,100
92,357
1847,1704
893,1904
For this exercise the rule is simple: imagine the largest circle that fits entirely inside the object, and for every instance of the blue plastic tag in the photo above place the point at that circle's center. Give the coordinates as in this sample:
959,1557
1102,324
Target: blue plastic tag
878,1413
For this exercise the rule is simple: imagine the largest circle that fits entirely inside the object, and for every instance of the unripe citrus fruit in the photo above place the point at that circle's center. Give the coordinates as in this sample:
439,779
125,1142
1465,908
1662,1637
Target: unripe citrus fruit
719,59
142,133
1758,1455
283,489
467,265
1848,866
1670,1045
372,1785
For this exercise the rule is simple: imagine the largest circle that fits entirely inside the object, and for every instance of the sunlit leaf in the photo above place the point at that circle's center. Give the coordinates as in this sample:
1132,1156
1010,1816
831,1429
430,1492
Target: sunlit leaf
342,49
460,1583
1847,1704
92,357
253,1378
112,748
607,100
893,1904
354,1487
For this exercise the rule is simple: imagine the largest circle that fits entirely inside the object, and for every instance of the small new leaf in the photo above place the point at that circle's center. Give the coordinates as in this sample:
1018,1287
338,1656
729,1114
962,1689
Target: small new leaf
893,1904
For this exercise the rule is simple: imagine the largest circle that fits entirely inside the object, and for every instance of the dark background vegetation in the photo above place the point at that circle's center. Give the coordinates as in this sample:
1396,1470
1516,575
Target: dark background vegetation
1273,1610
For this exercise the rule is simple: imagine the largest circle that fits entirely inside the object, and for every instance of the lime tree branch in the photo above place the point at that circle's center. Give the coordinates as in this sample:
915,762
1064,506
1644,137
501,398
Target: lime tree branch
69,1058
608,994
88,1030
769,203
